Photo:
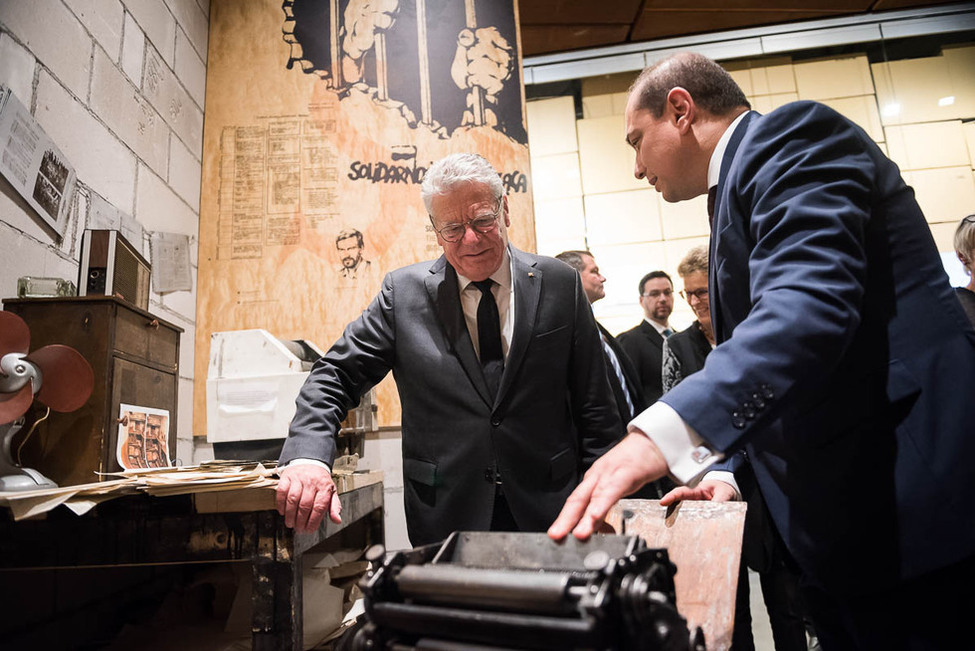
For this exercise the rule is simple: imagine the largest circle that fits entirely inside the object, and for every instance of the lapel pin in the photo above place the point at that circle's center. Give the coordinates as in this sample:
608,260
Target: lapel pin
531,275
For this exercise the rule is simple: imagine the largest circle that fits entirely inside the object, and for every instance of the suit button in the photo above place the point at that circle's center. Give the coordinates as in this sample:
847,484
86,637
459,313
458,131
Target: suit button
496,421
748,410
489,475
758,400
767,391
737,421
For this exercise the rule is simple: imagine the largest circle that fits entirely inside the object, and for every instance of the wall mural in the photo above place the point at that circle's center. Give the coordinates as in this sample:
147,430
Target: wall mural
322,116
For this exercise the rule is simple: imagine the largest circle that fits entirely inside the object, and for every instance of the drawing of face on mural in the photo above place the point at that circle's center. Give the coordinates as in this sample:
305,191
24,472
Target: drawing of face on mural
350,243
364,21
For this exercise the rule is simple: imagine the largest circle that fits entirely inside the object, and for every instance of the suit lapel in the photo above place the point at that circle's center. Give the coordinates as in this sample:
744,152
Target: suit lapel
443,289
720,218
526,283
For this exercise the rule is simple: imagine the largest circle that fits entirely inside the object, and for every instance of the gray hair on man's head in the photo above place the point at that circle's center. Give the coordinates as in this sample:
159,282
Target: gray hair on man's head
456,169
574,259
695,260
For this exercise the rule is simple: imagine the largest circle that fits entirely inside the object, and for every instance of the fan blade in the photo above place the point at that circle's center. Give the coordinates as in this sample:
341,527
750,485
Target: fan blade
14,334
66,377
15,405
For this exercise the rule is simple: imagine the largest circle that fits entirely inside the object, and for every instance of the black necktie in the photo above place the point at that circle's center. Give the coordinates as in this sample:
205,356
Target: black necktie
712,195
489,336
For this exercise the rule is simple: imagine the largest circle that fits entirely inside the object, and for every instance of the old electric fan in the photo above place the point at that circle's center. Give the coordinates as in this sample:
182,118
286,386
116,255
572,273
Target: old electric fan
57,375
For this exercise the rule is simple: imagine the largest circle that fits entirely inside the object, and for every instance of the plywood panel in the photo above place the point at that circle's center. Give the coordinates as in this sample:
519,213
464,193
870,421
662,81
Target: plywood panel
623,217
832,78
703,539
945,195
552,126
305,138
863,111
556,176
922,146
912,90
606,159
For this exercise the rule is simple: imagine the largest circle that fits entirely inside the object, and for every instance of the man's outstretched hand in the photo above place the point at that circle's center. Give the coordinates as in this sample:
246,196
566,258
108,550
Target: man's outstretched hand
633,462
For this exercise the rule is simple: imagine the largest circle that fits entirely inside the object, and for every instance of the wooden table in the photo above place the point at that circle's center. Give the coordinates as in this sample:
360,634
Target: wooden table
139,530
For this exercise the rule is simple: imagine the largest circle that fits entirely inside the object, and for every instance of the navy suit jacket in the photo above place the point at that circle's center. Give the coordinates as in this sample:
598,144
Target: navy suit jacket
845,366
552,417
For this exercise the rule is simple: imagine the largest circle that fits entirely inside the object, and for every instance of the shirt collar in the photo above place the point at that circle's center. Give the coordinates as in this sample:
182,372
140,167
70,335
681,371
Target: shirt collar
502,276
656,326
714,166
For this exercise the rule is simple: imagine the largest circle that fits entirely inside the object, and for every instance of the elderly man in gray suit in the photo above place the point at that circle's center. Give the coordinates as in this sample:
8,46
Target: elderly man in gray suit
499,368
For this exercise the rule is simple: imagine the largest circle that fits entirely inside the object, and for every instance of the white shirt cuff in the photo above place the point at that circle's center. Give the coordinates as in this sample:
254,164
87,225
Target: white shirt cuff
300,461
687,455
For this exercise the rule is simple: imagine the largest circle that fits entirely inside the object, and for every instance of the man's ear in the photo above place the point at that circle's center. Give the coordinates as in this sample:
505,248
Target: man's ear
681,106
507,220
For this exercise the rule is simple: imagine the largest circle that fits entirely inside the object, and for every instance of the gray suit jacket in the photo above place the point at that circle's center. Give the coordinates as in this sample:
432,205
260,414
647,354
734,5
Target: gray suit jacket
553,415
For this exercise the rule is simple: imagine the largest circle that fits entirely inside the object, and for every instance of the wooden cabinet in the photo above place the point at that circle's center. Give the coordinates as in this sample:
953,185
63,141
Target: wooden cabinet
135,357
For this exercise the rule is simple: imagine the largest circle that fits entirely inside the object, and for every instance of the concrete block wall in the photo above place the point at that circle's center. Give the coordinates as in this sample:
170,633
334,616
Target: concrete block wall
920,111
118,85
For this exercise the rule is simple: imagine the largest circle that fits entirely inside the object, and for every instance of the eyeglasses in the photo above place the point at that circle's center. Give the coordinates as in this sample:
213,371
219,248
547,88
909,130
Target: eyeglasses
657,293
699,294
454,232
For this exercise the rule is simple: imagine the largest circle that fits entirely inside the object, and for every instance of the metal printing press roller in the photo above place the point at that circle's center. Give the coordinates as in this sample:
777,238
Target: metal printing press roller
496,590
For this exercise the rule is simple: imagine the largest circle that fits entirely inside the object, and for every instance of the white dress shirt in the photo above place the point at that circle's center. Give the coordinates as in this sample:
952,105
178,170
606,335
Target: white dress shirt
504,295
687,454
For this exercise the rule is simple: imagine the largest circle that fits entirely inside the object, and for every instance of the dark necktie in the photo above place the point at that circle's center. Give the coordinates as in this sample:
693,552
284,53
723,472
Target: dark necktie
489,336
712,195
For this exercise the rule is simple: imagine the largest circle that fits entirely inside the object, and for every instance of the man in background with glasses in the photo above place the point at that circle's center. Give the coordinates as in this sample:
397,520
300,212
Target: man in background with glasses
499,368
644,343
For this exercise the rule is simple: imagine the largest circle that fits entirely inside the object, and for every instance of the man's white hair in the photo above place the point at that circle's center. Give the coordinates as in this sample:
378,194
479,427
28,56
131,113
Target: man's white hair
454,170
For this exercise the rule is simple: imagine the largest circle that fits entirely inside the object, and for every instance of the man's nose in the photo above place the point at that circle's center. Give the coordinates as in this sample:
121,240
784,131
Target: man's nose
639,170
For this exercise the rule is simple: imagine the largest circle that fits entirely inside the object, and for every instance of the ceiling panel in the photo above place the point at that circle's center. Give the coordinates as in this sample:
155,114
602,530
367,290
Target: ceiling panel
549,26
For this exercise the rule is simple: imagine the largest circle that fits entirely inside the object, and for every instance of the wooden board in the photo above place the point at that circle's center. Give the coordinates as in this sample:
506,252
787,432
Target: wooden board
703,539
263,499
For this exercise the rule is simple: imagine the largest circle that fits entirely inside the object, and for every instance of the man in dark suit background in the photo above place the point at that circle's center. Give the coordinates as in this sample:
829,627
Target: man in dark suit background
840,353
499,369
623,378
644,342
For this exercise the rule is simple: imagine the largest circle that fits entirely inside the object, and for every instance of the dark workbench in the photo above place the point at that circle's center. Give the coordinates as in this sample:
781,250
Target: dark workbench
139,530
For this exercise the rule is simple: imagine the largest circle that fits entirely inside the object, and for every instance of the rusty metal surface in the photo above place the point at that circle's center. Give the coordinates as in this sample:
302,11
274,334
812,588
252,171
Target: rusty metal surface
703,539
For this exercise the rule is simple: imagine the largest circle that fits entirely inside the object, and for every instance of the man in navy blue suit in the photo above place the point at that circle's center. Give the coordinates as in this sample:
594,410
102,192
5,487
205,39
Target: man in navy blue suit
842,355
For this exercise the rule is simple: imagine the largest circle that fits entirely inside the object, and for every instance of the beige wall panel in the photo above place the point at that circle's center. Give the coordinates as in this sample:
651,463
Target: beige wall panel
606,160
607,84
597,106
552,248
961,70
832,78
685,219
560,219
556,177
781,99
743,78
908,91
551,126
945,195
923,146
623,217
781,78
968,128
624,265
761,103
863,111
944,235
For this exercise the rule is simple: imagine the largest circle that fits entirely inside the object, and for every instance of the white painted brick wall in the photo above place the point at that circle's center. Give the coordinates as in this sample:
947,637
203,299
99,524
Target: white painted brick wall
103,20
54,36
157,22
194,23
170,99
100,159
190,68
133,50
17,68
134,138
117,102
158,208
184,173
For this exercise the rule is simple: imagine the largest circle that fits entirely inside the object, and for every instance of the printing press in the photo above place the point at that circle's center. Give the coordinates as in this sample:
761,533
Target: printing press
498,590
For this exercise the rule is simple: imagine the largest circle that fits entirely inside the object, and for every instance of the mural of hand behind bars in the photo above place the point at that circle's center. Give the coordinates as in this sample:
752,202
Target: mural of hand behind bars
482,63
365,20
